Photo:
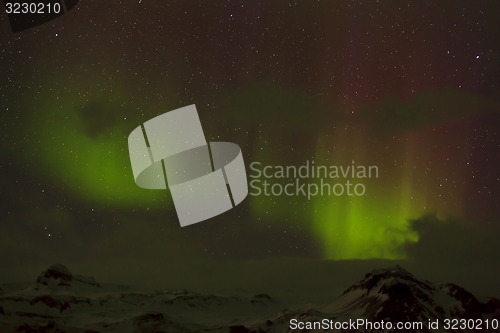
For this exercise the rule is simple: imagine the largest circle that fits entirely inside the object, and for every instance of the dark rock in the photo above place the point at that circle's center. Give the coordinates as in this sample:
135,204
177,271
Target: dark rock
51,327
261,299
51,302
149,319
32,315
239,329
60,276
156,322
470,305
56,272
492,307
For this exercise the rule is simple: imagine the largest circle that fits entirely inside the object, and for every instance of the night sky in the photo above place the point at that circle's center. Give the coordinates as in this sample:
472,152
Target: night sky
412,87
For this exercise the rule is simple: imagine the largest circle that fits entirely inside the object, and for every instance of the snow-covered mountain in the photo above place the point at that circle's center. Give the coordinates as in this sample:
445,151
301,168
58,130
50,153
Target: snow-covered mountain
61,302
395,295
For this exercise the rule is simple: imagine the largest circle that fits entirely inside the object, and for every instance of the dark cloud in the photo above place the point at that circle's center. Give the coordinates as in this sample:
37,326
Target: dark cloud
454,241
458,250
99,116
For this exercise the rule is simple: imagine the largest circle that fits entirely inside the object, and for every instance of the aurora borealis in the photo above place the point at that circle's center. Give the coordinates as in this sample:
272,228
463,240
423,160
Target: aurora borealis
411,88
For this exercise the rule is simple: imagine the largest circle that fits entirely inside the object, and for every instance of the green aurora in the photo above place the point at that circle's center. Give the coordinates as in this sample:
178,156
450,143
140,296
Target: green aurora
91,159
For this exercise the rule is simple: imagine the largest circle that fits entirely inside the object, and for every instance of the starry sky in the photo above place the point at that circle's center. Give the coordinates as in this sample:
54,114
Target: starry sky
412,87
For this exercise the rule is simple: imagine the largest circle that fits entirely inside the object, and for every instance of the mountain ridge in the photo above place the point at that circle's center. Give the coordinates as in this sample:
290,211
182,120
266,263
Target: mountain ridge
59,301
